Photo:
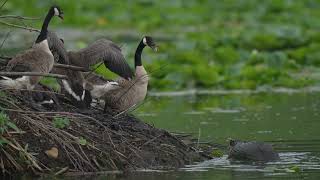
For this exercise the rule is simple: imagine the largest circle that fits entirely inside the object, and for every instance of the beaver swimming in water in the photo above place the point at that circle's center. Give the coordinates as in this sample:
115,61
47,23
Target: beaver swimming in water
252,151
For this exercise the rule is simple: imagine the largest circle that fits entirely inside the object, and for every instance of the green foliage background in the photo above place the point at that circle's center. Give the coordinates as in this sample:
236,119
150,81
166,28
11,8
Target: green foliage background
226,44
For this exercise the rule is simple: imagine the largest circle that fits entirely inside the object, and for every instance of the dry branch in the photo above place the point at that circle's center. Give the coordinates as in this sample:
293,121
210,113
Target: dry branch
18,17
3,4
71,67
4,40
5,57
18,26
56,65
33,74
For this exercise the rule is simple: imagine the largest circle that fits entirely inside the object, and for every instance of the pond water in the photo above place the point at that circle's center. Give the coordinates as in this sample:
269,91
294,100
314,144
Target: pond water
291,122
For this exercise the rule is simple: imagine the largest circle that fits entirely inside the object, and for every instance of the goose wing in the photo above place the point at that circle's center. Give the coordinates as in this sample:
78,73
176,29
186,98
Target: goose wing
30,60
106,51
94,78
57,48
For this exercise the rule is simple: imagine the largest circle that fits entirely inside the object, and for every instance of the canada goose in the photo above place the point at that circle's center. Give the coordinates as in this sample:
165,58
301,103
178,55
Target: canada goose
74,86
101,50
98,85
37,59
44,96
56,46
130,92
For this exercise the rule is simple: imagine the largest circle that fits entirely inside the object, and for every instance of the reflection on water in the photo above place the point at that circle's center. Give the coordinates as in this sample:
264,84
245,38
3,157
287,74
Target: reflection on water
289,121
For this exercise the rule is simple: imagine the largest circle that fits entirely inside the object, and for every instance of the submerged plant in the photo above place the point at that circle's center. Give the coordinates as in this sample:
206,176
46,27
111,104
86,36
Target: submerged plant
216,153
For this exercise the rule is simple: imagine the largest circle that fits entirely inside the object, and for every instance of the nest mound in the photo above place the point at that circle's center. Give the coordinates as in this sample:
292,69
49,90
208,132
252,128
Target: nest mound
51,141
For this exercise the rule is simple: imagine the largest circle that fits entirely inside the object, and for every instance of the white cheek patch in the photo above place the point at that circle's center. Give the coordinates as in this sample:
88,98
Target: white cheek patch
145,41
56,12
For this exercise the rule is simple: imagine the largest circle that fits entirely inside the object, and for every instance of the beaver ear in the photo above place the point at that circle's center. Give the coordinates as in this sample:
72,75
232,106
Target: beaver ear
232,142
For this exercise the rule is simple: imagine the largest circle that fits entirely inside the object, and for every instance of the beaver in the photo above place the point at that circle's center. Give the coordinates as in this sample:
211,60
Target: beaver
252,151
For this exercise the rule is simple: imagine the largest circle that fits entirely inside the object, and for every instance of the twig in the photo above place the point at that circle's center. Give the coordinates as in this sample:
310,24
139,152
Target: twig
3,4
18,17
33,74
198,141
65,66
124,111
5,38
139,105
29,156
92,173
60,113
20,27
11,159
151,140
63,170
91,71
49,92
5,57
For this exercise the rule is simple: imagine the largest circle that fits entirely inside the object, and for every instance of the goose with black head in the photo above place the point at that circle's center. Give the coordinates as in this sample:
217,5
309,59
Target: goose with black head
128,93
37,59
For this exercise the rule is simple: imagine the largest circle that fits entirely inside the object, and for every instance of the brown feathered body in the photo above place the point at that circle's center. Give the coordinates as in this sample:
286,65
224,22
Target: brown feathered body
129,93
98,85
37,59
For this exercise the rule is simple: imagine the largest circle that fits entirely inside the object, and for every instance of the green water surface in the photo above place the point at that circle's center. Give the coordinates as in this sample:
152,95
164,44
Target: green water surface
289,121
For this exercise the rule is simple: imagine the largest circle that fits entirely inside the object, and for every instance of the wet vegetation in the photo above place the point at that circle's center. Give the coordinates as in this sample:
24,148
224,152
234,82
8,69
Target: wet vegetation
227,44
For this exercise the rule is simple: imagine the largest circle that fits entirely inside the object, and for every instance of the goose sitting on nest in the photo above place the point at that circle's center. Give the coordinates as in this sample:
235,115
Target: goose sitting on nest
37,59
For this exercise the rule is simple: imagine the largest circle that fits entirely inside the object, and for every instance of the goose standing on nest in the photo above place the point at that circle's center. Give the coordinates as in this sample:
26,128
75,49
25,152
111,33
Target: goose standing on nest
73,87
37,59
130,92
102,50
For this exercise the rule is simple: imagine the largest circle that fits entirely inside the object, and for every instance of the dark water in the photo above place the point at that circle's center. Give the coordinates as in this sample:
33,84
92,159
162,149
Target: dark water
290,121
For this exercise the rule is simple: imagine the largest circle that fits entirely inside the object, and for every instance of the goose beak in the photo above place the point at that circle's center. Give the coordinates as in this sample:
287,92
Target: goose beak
61,16
154,48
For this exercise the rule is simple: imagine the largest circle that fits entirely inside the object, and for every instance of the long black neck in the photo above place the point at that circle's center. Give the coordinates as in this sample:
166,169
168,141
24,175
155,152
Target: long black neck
44,30
137,56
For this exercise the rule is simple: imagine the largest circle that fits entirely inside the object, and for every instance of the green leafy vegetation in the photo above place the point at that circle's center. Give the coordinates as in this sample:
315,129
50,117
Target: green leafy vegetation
51,82
221,44
216,153
5,125
294,169
82,141
61,122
